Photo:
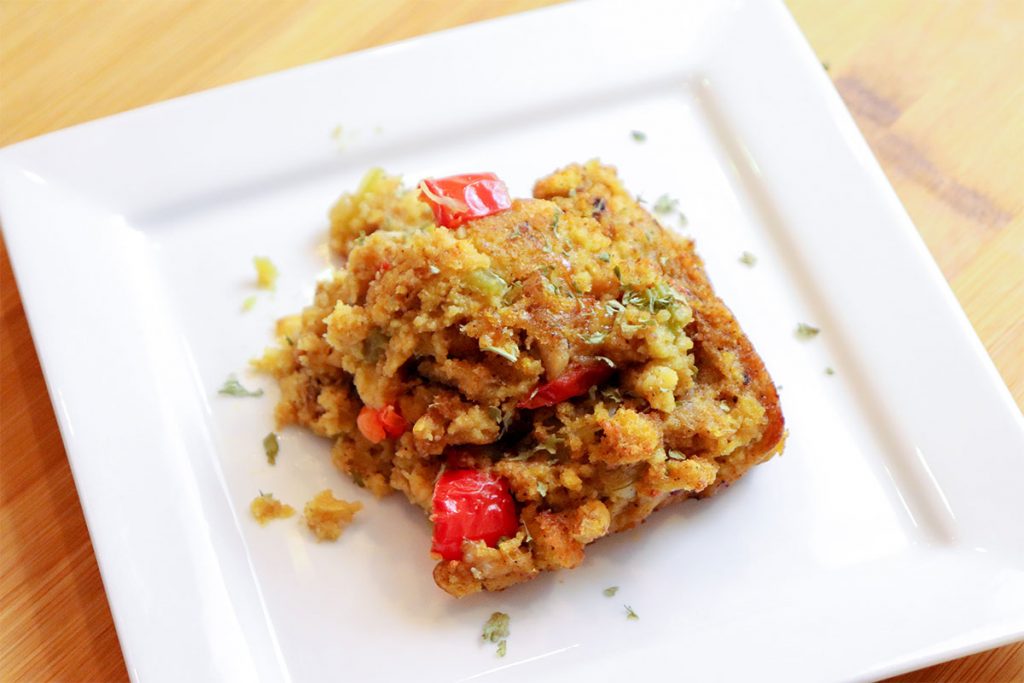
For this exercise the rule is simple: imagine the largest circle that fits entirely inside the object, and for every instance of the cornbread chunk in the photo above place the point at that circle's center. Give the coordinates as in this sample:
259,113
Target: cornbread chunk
265,508
457,329
327,516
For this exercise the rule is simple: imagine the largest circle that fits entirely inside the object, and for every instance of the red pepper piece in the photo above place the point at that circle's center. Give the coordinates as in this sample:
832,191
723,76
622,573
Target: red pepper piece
394,424
458,199
575,381
473,505
377,425
370,425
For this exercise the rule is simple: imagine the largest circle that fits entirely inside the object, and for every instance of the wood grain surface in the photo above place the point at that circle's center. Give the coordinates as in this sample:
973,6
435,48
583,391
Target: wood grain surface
935,85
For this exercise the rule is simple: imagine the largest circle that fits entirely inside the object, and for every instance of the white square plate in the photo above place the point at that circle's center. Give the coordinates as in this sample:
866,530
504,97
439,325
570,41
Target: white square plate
887,537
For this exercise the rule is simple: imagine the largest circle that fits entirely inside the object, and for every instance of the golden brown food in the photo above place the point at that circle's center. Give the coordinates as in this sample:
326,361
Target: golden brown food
463,332
265,508
327,516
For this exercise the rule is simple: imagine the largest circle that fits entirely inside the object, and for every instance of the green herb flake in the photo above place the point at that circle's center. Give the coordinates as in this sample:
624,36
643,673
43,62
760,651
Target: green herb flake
496,631
249,302
610,591
614,306
542,489
805,331
594,337
232,387
665,205
618,273
630,614
271,447
638,136
604,257
748,259
825,66
550,444
829,371
291,342
676,455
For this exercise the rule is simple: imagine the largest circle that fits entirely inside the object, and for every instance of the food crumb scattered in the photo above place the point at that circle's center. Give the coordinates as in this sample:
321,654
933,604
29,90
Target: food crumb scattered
748,259
630,614
638,136
266,272
249,302
327,516
805,331
496,631
829,371
271,447
610,591
232,387
265,508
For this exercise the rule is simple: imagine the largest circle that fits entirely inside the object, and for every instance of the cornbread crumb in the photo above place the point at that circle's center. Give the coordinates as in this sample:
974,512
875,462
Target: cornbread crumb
265,508
327,516
266,272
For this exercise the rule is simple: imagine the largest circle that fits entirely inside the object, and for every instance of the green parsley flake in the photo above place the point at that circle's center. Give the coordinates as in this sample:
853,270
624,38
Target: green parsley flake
604,256
657,298
829,371
610,591
232,387
638,136
630,614
665,205
249,302
542,489
748,259
271,447
618,273
676,455
805,331
496,631
594,337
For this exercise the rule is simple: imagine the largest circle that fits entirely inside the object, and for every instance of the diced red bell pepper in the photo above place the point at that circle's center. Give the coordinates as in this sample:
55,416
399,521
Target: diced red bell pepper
394,424
458,199
370,426
377,425
473,505
575,381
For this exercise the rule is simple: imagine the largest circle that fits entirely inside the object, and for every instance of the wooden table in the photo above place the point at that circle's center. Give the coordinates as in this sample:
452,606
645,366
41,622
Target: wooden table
935,86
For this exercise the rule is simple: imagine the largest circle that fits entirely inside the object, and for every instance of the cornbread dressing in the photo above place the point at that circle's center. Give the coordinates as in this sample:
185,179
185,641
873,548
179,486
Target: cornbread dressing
457,328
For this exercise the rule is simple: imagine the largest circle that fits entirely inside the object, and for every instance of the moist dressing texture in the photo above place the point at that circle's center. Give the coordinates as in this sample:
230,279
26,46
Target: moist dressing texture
457,328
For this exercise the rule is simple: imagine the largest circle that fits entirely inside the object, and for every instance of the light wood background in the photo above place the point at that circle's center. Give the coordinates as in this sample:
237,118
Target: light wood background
935,85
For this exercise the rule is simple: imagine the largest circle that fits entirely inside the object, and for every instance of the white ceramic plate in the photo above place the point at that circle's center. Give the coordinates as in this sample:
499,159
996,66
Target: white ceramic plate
887,537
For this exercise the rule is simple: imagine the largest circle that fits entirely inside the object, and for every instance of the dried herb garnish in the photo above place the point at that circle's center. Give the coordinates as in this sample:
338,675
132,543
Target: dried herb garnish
805,331
271,447
232,387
